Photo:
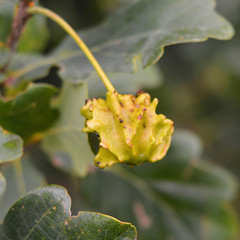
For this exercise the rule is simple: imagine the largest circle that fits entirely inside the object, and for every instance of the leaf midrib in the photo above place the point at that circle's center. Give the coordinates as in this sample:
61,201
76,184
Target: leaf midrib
43,216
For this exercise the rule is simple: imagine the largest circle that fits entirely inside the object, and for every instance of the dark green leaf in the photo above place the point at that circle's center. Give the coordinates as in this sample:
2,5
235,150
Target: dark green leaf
6,15
29,112
35,35
176,198
45,214
65,142
32,179
142,31
11,146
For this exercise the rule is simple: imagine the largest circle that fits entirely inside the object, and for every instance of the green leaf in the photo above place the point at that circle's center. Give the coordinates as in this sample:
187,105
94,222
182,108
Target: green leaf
45,214
186,144
142,31
35,35
3,185
6,15
29,112
65,142
32,179
176,198
217,229
126,83
4,57
11,147
21,62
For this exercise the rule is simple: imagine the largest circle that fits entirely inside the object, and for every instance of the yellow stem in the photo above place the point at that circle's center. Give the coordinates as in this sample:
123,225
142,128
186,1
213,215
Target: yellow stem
48,13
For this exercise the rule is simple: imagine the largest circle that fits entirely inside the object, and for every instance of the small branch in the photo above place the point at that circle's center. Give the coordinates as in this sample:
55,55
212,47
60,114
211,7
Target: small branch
18,25
62,23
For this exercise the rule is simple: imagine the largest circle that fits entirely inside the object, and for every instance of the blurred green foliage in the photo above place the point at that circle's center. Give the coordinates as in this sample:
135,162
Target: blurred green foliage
202,93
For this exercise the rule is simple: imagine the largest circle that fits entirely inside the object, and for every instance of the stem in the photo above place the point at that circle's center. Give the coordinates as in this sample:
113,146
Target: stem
18,25
20,20
19,176
48,13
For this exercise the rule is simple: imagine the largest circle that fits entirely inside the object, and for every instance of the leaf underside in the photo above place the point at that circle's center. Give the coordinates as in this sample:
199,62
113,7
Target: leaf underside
142,31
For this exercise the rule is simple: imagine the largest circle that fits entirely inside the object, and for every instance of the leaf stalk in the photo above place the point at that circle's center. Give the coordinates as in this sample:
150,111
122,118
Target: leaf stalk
17,165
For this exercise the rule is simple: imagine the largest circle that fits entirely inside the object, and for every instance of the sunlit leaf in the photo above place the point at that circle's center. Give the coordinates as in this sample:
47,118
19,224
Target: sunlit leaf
11,147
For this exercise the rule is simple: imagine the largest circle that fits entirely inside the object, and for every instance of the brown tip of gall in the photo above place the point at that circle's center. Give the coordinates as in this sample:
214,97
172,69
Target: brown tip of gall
139,92
87,100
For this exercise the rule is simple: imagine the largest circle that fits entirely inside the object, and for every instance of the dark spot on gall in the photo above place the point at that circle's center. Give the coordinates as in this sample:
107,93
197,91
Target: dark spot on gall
120,120
97,134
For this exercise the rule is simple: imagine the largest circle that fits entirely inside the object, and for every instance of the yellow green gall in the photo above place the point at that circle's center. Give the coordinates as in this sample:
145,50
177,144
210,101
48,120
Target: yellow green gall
129,129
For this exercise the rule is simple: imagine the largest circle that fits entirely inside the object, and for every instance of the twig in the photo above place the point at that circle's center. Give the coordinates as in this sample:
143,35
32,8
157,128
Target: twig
18,25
